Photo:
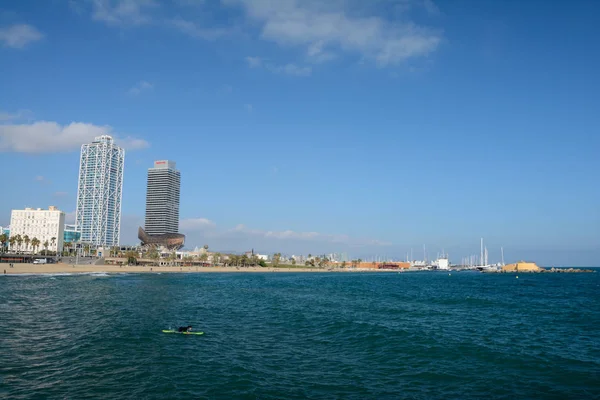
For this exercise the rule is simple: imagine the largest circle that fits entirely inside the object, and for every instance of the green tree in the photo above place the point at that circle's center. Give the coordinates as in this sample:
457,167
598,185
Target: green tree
323,262
293,261
35,243
26,240
3,240
46,244
153,254
276,259
53,242
19,240
12,240
204,258
131,257
343,264
216,258
244,260
86,249
66,247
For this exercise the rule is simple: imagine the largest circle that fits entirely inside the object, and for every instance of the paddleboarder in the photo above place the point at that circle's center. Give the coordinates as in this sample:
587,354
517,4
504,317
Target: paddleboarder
185,328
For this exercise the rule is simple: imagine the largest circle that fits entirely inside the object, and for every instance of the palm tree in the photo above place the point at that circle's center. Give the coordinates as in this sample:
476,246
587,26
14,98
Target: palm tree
19,240
216,258
67,247
203,257
359,261
53,242
35,242
86,250
276,259
27,241
3,240
172,257
244,260
343,264
153,254
46,244
12,241
293,261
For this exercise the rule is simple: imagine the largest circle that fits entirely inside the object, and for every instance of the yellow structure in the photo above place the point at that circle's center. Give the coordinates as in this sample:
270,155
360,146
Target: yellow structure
521,266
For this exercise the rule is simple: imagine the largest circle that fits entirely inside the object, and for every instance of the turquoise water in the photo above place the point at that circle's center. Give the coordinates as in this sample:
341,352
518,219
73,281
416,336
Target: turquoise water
274,336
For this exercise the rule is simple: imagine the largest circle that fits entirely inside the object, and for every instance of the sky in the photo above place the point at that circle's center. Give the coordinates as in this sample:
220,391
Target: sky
303,126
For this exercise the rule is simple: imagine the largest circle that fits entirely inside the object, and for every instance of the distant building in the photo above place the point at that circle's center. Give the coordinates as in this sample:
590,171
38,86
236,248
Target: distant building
71,234
162,198
44,225
4,231
161,226
99,192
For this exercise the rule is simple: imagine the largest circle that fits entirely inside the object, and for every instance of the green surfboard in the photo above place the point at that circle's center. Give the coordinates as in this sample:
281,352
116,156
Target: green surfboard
182,333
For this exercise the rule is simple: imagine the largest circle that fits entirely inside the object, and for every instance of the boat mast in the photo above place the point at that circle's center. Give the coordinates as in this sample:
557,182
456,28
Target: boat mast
481,258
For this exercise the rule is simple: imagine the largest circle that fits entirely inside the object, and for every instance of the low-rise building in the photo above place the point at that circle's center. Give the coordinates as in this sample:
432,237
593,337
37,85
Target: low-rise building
71,234
43,225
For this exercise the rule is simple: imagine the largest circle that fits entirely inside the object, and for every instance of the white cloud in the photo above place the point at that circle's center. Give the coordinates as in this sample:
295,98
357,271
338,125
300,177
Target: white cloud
21,114
254,62
287,69
70,217
305,236
196,224
51,137
290,69
209,229
196,31
324,28
123,12
141,86
19,36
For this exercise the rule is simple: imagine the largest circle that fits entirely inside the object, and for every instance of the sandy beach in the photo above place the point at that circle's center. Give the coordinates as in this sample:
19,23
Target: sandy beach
74,269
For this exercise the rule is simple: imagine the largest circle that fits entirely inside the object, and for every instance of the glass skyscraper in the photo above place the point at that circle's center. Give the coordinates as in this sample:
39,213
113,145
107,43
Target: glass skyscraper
99,192
162,198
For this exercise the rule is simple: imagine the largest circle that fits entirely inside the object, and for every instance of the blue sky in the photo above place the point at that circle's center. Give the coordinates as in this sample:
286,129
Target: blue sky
308,126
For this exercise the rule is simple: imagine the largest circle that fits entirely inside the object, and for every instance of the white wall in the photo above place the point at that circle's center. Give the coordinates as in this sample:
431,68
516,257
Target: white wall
40,224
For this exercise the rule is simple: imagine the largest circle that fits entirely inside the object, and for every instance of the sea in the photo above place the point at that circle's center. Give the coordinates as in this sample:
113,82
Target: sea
431,335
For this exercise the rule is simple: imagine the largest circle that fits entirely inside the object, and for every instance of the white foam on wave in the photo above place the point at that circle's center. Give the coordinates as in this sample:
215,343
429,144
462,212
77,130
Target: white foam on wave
42,274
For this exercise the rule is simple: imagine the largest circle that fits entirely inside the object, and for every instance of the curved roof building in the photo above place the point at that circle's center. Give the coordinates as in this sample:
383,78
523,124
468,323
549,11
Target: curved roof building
171,241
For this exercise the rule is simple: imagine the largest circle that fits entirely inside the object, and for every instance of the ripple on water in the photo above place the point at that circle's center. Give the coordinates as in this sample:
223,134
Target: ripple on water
300,336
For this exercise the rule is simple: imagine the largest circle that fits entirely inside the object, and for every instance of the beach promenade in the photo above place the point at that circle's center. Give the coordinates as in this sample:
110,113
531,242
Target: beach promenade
74,269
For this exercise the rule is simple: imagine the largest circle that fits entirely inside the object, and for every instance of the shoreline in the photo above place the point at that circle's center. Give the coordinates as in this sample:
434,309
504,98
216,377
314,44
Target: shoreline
42,269
73,269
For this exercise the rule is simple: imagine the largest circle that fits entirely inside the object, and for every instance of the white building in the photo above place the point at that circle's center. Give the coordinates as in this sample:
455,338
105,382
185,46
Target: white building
162,198
44,225
99,192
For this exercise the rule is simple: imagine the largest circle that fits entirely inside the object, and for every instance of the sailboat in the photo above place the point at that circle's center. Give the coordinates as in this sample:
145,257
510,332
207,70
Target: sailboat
483,261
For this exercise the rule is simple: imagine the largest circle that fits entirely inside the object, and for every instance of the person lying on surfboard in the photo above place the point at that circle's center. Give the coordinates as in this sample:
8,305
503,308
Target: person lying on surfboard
185,328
